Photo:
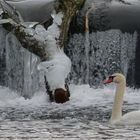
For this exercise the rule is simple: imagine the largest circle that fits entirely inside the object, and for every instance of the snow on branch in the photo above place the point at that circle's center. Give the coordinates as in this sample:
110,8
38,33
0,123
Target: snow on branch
11,11
24,31
47,44
59,65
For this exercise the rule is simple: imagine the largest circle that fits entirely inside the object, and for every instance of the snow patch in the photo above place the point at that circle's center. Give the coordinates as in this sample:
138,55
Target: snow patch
56,70
53,33
59,65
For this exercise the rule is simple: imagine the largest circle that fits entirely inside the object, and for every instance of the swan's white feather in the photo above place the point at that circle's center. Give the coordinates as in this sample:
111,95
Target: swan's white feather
131,118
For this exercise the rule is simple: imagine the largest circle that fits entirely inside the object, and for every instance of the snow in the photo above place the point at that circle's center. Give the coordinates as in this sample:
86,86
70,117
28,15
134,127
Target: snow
58,66
57,18
3,21
56,70
53,33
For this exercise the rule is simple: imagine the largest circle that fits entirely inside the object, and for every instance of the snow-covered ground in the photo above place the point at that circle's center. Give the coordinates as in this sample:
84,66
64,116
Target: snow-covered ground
85,116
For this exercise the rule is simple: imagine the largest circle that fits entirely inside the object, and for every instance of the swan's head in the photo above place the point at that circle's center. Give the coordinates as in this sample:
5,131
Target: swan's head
116,78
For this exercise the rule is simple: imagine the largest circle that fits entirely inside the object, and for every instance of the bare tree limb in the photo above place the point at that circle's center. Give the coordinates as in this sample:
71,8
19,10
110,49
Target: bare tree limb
28,41
87,16
26,35
11,11
69,9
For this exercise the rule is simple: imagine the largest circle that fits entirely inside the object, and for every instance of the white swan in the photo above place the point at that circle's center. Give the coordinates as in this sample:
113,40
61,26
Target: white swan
131,118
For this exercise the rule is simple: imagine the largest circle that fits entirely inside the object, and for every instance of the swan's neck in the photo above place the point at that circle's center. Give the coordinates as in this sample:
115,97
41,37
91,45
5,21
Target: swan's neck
118,101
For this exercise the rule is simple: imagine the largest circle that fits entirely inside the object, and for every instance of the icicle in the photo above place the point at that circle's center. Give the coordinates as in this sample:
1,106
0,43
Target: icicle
21,65
87,43
3,33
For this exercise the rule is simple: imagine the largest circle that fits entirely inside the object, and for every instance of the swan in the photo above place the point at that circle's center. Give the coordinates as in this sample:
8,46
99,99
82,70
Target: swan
131,118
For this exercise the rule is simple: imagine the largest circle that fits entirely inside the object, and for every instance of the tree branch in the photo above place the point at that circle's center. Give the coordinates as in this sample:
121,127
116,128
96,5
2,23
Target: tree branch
27,36
46,43
69,9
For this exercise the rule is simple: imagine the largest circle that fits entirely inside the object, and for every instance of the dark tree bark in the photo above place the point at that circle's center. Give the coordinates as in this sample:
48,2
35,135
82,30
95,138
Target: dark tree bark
69,9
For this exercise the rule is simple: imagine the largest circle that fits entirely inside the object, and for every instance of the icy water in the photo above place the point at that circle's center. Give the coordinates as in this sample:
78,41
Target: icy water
84,117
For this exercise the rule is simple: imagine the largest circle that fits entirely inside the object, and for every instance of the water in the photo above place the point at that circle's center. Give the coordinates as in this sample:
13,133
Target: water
84,117
108,52
87,113
95,54
2,56
87,46
21,72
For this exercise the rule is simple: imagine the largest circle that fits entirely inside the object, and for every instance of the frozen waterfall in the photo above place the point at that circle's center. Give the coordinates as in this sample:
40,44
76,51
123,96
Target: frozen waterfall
18,66
93,56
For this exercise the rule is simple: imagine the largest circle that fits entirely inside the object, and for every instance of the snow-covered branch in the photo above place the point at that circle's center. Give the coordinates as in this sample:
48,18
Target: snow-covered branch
47,44
24,31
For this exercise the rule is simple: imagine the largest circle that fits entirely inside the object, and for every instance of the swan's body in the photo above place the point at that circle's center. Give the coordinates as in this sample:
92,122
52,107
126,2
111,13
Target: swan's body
116,116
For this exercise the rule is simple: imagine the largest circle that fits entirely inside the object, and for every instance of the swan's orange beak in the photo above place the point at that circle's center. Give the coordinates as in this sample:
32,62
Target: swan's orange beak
107,81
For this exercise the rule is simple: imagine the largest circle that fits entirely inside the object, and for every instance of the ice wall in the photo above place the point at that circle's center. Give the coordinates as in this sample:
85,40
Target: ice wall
21,68
2,56
110,51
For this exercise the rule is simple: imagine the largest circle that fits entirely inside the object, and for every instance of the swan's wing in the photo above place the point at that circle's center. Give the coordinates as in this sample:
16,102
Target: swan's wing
131,118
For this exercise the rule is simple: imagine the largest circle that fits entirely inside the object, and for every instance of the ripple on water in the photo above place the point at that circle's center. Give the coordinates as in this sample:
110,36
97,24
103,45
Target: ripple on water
82,118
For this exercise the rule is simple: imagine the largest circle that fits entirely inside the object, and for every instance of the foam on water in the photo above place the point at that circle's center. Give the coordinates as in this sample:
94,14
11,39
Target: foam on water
85,116
81,96
80,118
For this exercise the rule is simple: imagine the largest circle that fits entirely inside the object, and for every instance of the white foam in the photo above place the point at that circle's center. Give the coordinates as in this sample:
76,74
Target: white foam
81,96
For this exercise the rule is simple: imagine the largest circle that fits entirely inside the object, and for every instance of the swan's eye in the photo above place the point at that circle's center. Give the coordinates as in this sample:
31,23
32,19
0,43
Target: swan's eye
108,80
111,77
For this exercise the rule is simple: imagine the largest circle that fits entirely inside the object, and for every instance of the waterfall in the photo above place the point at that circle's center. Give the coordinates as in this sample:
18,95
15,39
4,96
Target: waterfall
87,45
87,40
21,68
94,55
109,51
2,56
